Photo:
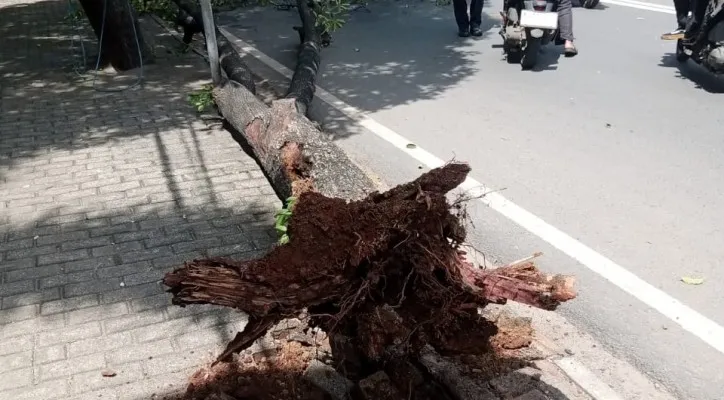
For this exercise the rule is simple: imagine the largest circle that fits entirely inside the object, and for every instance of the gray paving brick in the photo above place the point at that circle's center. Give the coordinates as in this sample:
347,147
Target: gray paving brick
70,304
134,236
38,324
67,278
16,345
131,292
43,355
18,264
78,194
65,256
15,361
88,243
30,252
16,244
19,313
123,269
11,288
144,351
69,334
92,286
97,313
143,277
95,386
30,298
97,183
147,254
162,222
32,273
109,230
168,384
176,260
166,240
59,237
100,344
89,264
133,321
71,366
19,378
226,251
161,300
57,389
199,244
120,248
173,363
119,187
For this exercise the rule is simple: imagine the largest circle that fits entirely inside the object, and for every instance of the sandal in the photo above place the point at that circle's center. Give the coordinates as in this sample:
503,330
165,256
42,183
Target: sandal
570,51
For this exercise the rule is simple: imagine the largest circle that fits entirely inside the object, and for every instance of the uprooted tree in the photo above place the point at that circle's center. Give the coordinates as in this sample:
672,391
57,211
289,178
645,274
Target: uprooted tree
384,277
383,274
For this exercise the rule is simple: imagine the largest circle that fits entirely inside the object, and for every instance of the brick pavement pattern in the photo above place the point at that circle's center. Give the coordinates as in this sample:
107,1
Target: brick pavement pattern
100,195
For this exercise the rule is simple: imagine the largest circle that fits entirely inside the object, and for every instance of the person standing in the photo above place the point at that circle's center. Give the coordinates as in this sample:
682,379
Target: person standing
565,28
682,8
468,24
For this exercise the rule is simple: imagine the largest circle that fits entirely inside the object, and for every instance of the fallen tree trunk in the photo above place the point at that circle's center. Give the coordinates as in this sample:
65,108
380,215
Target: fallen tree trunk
386,270
123,46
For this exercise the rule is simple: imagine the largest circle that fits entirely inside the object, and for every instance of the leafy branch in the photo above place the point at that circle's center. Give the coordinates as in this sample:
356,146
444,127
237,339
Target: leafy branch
202,99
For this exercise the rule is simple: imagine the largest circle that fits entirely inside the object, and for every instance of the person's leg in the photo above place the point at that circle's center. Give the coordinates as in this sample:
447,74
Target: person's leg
698,10
565,26
682,8
461,17
476,17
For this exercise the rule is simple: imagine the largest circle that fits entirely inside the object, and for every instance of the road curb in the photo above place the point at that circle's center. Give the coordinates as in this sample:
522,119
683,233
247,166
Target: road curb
586,379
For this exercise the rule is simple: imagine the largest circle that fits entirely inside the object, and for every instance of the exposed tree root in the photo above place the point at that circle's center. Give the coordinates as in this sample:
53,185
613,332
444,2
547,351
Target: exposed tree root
385,271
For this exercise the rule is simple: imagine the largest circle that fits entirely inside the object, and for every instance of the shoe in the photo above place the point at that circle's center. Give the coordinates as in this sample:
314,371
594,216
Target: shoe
570,51
476,31
676,34
463,32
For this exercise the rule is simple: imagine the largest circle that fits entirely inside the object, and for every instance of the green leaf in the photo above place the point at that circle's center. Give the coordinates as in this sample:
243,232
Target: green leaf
692,281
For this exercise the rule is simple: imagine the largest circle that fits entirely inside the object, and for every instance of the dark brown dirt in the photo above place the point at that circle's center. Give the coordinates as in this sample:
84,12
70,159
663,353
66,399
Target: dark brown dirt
274,378
385,272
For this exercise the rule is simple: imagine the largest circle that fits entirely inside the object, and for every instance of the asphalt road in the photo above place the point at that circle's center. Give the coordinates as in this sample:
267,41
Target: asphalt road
621,148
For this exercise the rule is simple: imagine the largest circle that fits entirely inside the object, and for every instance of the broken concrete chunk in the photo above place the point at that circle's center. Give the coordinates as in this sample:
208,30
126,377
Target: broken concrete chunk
378,386
447,373
329,380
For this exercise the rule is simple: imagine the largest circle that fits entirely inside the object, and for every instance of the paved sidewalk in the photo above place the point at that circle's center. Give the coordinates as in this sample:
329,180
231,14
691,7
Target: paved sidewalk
100,195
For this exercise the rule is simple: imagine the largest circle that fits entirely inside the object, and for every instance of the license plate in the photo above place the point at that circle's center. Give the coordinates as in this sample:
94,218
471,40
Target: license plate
539,19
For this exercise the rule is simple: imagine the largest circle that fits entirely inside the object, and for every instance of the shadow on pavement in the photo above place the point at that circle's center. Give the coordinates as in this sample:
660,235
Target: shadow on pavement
695,73
398,53
45,104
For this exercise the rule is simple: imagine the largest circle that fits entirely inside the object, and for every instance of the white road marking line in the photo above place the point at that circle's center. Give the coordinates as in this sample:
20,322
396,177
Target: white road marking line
689,319
586,379
642,5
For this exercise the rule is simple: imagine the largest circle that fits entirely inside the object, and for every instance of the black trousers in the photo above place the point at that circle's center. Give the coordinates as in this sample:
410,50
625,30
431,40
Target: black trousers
474,20
682,8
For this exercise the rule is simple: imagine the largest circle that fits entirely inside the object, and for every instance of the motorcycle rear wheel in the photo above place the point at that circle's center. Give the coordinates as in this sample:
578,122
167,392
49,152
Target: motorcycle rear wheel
530,53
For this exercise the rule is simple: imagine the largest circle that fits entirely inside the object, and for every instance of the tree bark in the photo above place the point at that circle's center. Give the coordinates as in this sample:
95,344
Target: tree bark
121,33
302,86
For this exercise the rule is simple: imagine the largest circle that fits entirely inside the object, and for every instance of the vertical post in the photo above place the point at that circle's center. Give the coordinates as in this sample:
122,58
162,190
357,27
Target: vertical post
207,14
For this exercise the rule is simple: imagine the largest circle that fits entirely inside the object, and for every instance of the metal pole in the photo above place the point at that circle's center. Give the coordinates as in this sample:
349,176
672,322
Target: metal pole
207,14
